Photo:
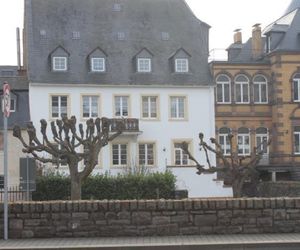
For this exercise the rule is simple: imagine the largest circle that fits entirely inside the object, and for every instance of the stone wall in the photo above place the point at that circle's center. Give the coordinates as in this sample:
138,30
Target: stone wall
152,217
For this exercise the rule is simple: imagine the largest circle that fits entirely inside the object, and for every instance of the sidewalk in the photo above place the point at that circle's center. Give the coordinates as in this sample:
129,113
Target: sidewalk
205,242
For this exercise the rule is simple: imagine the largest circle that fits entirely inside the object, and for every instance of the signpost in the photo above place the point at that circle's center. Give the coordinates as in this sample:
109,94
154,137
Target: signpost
6,113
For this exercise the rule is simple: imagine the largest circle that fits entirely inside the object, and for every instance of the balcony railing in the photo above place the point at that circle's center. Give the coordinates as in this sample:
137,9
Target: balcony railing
131,124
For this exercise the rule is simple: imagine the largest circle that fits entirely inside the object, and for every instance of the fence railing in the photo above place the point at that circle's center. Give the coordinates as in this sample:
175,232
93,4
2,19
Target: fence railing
15,194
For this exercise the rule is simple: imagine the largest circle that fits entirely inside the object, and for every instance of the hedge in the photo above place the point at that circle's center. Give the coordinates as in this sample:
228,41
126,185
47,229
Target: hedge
120,187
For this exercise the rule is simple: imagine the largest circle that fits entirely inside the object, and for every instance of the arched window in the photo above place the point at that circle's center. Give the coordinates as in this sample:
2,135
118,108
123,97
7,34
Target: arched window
296,87
297,140
223,89
243,140
262,139
224,140
241,89
260,89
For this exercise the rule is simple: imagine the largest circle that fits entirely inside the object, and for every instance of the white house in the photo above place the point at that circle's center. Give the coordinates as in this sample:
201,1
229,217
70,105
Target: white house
141,60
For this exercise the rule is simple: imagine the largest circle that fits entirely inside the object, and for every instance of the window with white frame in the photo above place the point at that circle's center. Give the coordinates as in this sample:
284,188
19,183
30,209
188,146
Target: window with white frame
241,89
181,65
59,63
224,140
260,89
296,87
149,107
98,64
146,154
262,140
119,154
297,140
90,106
144,65
59,106
178,104
243,140
121,106
180,158
223,89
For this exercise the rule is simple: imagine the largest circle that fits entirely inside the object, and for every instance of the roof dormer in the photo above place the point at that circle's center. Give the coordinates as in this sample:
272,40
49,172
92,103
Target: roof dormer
59,59
97,60
180,61
143,61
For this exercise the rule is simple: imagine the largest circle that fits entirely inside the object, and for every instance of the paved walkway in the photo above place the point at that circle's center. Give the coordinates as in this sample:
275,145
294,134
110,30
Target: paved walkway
239,242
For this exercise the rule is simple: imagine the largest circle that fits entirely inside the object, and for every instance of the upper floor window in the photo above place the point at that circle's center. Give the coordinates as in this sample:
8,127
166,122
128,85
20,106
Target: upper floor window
149,107
243,141
223,89
178,107
262,140
121,106
296,87
90,106
224,140
59,106
146,154
241,89
144,65
297,140
180,158
59,63
260,89
98,64
119,154
181,65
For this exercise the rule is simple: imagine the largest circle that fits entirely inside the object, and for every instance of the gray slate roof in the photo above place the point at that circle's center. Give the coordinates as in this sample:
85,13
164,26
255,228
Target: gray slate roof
293,5
51,23
19,91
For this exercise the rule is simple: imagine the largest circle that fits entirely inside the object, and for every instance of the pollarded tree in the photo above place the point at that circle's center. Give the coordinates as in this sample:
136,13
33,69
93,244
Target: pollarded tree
70,145
234,166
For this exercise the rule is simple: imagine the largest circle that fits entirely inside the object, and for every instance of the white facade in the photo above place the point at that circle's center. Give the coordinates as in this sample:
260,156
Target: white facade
162,131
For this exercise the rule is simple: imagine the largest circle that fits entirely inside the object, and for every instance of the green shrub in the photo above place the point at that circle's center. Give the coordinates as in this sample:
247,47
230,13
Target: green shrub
120,187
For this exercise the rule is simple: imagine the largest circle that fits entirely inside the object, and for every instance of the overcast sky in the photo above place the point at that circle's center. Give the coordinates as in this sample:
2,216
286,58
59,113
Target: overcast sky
223,16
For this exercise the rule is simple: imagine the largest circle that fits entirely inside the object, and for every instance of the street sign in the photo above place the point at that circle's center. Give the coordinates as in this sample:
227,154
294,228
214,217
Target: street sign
6,99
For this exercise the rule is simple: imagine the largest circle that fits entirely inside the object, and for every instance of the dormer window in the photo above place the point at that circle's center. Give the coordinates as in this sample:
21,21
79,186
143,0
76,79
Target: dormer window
98,64
181,65
144,65
59,63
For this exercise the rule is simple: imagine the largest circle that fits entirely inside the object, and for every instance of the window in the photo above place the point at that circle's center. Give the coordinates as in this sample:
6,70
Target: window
121,36
75,35
90,106
144,65
181,65
119,154
146,154
121,106
178,107
224,140
181,158
116,7
296,87
149,107
223,89
59,106
59,63
242,89
243,141
98,64
165,36
297,140
262,140
260,89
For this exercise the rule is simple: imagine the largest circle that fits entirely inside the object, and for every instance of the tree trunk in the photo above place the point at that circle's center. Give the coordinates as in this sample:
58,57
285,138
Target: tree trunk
75,182
237,187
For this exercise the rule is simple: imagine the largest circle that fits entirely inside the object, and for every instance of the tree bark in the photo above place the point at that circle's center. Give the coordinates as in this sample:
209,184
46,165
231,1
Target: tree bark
75,182
237,187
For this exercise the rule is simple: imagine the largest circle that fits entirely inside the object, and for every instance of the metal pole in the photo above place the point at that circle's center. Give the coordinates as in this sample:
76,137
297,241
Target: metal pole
5,181
27,178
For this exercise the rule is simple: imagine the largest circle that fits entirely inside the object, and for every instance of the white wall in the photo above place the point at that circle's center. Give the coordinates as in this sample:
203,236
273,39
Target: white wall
200,105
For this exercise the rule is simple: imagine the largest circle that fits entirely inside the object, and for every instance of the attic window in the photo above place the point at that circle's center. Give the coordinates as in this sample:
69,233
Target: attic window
98,64
181,65
117,7
165,36
75,35
144,65
121,36
59,63
43,33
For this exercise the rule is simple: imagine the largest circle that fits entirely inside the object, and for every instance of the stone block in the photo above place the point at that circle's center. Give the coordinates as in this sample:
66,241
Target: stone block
265,222
258,203
169,229
151,205
204,204
205,220
80,215
297,203
289,202
220,204
27,234
82,206
279,214
178,205
160,220
249,203
125,205
141,218
124,215
161,204
225,213
15,224
133,205
111,216
189,230
188,204
180,219
238,213
170,204
197,204
103,205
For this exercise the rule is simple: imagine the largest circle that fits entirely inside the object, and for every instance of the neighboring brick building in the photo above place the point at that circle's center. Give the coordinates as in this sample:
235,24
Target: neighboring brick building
258,93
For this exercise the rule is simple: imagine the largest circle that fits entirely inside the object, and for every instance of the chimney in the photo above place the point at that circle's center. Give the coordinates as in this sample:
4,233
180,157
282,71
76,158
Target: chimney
237,37
18,48
256,41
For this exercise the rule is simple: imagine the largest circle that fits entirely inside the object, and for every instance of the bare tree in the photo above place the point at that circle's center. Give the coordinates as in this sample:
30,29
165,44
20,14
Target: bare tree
70,146
234,166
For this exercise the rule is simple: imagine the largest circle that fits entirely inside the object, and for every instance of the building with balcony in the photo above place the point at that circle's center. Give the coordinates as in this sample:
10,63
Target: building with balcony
143,61
257,94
